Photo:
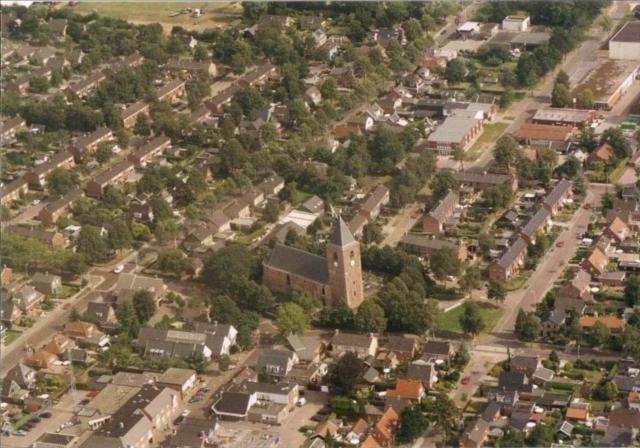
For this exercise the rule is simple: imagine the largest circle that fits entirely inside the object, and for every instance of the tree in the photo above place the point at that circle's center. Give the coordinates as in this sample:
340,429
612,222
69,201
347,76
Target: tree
444,263
512,438
442,183
528,326
456,71
599,334
224,362
560,96
632,290
343,374
471,319
470,280
372,233
584,99
459,156
103,153
496,291
412,424
197,362
91,245
127,319
291,319
142,126
200,53
541,435
38,84
61,181
144,305
119,236
228,267
462,356
370,318
271,212
505,152
553,357
172,261
606,391
616,138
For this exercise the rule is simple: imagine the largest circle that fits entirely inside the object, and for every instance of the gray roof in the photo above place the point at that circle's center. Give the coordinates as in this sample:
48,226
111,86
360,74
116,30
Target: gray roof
452,130
422,371
524,362
558,191
274,358
352,339
628,33
444,206
300,263
530,38
482,178
512,253
536,222
488,414
233,403
313,205
371,375
189,433
512,381
340,234
543,374
437,348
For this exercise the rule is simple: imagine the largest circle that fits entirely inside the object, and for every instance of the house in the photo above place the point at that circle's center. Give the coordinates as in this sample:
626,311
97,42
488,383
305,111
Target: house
141,419
437,350
613,323
54,210
134,282
10,312
427,247
59,344
403,347
50,238
10,127
6,276
47,284
564,117
538,222
130,114
480,181
117,174
40,360
578,287
193,432
577,412
307,348
475,434
408,389
22,375
88,144
513,381
516,23
181,380
102,313
234,405
510,262
313,205
617,230
372,206
86,86
362,345
159,343
272,185
524,364
467,29
276,363
602,153
423,371
192,67
150,150
170,91
237,208
27,297
596,263
80,330
433,223
313,96
556,198
13,191
383,431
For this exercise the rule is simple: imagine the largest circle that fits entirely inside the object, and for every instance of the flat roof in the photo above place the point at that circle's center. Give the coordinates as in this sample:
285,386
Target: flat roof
606,78
453,129
630,32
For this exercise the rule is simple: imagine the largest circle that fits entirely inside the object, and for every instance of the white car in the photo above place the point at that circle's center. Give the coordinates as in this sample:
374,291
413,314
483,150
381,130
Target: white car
118,269
301,401
185,413
36,201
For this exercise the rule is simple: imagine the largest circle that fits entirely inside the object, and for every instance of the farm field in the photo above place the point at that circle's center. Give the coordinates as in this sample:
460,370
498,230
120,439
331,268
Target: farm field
213,14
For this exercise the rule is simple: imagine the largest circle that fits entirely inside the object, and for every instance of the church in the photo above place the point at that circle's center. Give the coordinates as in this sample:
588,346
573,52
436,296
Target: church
333,278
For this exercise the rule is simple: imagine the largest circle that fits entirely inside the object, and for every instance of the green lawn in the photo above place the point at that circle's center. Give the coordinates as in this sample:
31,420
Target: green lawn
450,321
166,14
515,283
10,336
490,134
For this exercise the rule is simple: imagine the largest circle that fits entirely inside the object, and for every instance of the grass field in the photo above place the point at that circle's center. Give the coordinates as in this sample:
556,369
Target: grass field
450,321
490,134
213,15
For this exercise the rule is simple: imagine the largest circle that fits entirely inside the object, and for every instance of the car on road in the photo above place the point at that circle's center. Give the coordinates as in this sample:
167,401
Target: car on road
185,413
118,269
587,206
560,244
465,380
301,402
36,201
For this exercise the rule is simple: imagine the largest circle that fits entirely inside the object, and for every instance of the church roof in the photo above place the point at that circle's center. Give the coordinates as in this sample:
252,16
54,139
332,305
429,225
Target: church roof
340,234
300,263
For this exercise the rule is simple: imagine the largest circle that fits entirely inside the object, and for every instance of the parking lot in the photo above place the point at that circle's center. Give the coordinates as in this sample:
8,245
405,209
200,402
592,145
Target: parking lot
301,416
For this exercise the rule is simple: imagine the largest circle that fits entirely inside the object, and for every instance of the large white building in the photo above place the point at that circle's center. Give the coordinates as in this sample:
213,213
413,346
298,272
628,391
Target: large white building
516,23
625,44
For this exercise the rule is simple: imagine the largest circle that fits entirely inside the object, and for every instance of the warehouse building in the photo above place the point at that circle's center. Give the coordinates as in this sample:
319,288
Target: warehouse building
625,44
454,132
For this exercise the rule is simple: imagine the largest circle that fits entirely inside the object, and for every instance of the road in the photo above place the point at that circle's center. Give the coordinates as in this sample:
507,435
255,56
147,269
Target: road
491,347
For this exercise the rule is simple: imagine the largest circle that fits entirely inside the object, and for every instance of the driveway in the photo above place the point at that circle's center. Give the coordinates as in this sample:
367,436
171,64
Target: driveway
290,436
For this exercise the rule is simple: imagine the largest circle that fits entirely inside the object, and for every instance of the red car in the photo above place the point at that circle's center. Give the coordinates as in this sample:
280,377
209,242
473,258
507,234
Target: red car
465,380
560,244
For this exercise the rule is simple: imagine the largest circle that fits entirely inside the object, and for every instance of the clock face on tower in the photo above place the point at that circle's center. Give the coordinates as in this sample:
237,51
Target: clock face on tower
335,263
353,262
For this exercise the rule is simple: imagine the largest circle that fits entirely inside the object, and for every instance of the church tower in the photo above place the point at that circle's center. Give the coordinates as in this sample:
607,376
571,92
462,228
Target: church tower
345,270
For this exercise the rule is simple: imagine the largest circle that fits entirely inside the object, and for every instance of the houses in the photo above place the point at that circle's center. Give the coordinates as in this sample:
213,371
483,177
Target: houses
481,181
596,262
360,344
170,91
149,150
181,380
455,132
427,247
130,114
613,323
560,193
129,283
50,238
578,287
10,127
84,87
603,153
38,175
47,284
87,144
157,343
617,230
433,223
13,191
369,209
117,174
434,350
193,68
510,262
54,210
276,363
307,348
538,222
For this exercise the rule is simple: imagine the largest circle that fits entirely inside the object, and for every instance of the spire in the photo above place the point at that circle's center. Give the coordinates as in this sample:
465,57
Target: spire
340,233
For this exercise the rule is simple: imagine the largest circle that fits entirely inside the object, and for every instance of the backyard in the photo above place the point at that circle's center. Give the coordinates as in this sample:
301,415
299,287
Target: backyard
450,321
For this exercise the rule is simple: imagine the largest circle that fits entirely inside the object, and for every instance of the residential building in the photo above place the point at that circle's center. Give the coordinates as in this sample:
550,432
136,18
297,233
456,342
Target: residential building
433,350
13,191
192,67
480,181
171,90
427,247
54,210
130,114
545,135
510,262
27,297
596,262
564,117
362,345
516,23
149,150
50,238
129,283
433,223
117,174
47,284
181,380
276,363
554,201
87,144
158,343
